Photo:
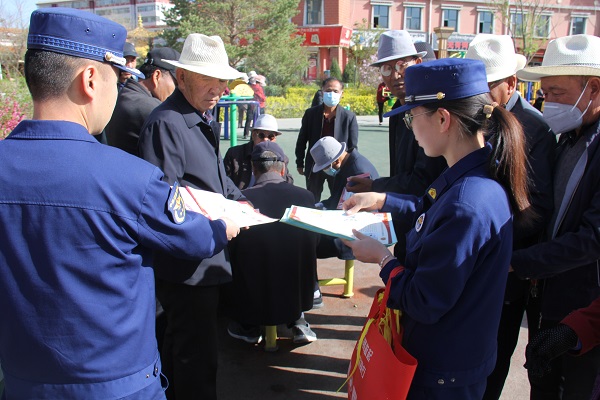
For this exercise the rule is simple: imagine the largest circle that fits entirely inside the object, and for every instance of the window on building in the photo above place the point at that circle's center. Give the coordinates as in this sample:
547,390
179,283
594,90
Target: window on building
516,24
381,17
450,18
314,12
486,22
412,18
542,26
578,25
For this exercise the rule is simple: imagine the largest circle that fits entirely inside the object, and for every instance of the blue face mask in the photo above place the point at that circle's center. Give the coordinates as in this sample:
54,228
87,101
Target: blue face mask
331,99
330,171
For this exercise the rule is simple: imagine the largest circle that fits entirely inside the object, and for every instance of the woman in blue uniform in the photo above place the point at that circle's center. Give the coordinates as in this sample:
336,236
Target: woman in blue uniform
458,253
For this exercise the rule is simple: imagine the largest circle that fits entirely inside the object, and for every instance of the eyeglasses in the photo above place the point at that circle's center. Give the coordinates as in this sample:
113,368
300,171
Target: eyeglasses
408,118
263,136
386,69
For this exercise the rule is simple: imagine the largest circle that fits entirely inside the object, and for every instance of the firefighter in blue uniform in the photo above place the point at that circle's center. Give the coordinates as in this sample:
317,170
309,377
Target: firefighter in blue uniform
459,249
78,222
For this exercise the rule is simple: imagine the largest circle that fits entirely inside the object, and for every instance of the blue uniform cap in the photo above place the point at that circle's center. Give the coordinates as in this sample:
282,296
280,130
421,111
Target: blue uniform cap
79,34
445,79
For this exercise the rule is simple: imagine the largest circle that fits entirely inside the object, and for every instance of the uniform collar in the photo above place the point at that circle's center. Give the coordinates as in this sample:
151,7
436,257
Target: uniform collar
51,130
450,175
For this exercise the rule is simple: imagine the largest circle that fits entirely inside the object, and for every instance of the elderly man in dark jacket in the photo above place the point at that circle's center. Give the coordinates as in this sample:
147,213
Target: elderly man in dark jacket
181,138
568,260
274,265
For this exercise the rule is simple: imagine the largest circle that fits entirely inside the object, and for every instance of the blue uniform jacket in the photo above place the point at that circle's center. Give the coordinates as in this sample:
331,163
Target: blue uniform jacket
77,222
176,139
456,265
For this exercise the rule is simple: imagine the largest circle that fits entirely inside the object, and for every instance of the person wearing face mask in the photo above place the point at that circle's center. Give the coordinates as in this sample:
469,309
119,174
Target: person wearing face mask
321,121
335,160
568,258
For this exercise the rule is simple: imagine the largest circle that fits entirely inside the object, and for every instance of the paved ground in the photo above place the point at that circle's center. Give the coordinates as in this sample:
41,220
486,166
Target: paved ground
317,370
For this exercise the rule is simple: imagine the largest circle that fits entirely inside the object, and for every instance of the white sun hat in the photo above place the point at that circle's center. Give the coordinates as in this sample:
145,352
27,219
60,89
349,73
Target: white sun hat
325,151
497,52
205,55
266,122
568,55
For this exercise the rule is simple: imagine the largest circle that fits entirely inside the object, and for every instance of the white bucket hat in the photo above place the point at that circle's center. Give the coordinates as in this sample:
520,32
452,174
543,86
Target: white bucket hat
568,55
497,52
325,152
266,122
394,45
205,55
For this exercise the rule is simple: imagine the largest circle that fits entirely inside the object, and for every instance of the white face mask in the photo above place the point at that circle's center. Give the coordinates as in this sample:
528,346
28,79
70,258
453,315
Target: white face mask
563,117
331,99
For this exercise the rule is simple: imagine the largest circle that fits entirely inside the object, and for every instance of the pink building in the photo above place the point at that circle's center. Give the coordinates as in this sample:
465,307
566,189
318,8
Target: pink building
328,24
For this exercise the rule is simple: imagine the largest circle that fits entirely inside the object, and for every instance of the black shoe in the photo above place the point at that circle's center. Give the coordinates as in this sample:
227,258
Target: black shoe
250,334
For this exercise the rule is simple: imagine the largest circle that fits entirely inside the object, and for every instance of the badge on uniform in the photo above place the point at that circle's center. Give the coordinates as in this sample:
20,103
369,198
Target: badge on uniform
175,204
432,192
420,221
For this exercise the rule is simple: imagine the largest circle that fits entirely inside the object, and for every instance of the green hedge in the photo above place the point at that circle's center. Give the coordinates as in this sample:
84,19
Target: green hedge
297,99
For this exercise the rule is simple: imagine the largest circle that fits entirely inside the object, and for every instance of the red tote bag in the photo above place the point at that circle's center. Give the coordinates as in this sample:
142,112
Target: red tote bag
380,368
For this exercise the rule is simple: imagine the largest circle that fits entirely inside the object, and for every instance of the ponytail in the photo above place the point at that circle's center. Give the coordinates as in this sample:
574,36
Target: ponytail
508,159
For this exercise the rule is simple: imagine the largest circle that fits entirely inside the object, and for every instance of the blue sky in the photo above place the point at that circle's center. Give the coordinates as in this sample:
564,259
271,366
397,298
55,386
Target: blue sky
10,6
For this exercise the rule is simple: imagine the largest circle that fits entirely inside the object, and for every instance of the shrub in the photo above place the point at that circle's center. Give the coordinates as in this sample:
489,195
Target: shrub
15,105
349,72
297,99
10,115
336,72
274,90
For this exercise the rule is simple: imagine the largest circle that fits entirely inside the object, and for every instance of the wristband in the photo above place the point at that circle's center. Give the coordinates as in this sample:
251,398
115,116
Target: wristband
383,260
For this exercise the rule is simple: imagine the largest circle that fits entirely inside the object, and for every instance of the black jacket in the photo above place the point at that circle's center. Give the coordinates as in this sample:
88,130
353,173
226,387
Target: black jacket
569,259
540,142
186,147
134,104
274,265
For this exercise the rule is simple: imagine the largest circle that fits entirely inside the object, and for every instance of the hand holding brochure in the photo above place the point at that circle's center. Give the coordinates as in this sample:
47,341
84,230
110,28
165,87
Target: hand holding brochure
337,223
346,194
215,205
